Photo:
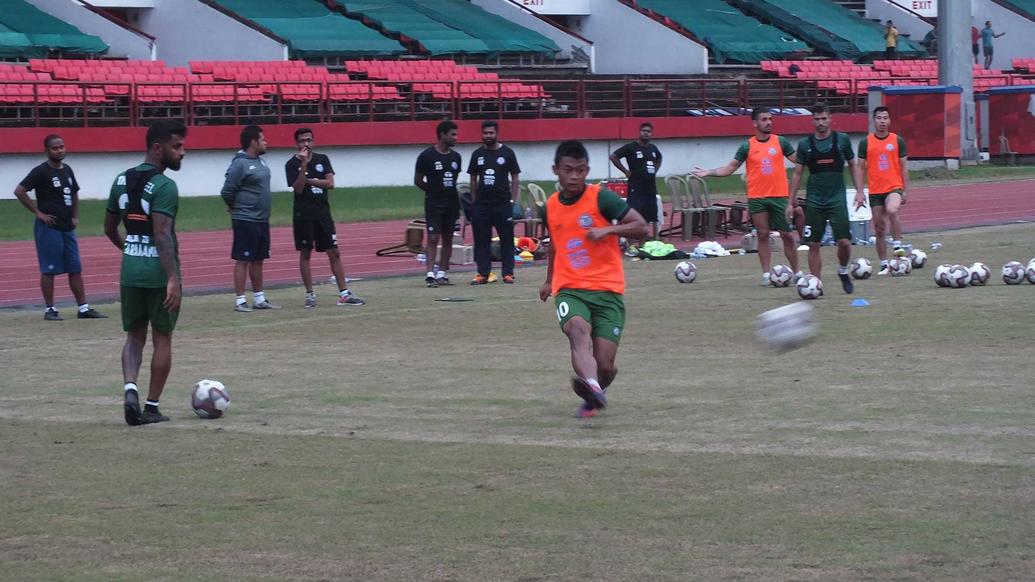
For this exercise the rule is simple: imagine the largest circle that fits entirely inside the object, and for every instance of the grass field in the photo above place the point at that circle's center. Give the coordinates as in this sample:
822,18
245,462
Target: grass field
381,203
417,440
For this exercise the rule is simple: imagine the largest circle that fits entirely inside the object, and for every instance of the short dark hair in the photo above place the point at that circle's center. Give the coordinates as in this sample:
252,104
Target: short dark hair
444,127
820,108
302,131
491,123
570,149
647,124
48,139
758,111
249,134
881,109
161,131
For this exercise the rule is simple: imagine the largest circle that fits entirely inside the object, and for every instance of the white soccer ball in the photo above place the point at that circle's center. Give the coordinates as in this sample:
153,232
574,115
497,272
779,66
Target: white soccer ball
918,258
209,399
780,276
861,268
899,267
979,274
686,272
810,287
1029,272
1014,273
788,327
941,275
959,276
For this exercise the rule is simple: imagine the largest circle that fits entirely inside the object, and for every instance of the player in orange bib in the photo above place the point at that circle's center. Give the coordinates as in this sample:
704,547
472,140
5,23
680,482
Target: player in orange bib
767,188
585,272
885,164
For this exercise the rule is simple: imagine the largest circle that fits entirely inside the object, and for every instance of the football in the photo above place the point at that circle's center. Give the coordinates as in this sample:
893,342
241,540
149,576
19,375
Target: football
209,399
959,276
918,258
686,272
861,268
788,327
979,274
780,276
1029,272
810,287
1013,273
898,267
941,275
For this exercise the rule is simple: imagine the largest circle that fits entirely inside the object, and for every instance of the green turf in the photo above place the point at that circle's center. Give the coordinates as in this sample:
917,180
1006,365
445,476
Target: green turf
417,440
380,203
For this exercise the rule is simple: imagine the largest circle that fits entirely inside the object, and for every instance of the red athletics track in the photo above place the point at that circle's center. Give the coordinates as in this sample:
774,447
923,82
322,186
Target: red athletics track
205,256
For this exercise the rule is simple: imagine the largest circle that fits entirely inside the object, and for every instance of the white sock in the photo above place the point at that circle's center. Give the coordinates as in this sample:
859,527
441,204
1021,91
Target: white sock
84,308
343,293
130,386
52,308
431,274
884,263
593,382
241,300
842,270
440,275
799,274
310,294
258,297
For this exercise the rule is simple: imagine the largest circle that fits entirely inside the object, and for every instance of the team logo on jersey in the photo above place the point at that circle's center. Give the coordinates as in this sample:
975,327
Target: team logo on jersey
639,155
438,165
56,181
481,161
319,167
585,221
889,147
772,151
617,331
490,172
500,161
454,165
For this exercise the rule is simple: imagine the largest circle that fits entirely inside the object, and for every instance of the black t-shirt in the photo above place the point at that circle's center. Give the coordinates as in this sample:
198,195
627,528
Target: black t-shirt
643,161
312,203
493,168
441,172
54,190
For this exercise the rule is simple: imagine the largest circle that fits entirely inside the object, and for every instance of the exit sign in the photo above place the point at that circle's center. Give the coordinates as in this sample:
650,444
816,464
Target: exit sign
558,7
928,8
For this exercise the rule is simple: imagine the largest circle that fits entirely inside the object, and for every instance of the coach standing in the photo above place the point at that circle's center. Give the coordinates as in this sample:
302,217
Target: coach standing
495,185
247,194
57,214
644,160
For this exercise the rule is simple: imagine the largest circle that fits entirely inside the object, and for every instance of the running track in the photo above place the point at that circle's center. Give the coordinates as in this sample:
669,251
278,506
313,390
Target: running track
206,264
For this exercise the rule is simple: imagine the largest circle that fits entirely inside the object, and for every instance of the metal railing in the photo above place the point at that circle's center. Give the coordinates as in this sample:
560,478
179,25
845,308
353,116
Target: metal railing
101,104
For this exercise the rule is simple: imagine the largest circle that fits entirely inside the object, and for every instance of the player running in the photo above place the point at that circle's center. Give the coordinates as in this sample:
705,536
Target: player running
767,188
888,178
584,271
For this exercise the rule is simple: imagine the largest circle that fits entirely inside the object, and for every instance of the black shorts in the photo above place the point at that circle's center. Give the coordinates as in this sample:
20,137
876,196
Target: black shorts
251,241
441,218
643,198
974,47
318,233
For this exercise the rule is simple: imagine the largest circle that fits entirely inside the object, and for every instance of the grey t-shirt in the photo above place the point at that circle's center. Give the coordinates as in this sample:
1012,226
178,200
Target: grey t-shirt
247,189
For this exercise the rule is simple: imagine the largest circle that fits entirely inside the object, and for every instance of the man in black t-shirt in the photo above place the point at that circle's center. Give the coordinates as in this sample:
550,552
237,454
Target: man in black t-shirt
494,174
57,214
435,173
313,225
644,161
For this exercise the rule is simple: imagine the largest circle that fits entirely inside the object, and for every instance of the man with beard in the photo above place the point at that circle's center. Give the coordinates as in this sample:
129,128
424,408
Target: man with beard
57,214
494,174
145,201
766,187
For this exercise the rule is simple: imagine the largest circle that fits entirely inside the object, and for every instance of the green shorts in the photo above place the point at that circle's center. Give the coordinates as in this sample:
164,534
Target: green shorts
143,305
816,223
603,310
878,199
777,209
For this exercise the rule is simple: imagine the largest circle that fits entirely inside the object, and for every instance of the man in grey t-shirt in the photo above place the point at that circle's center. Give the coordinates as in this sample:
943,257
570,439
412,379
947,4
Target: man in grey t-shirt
247,194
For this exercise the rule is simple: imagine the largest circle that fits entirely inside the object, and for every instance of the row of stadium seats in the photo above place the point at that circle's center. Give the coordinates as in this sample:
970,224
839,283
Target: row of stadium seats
1025,64
402,71
845,77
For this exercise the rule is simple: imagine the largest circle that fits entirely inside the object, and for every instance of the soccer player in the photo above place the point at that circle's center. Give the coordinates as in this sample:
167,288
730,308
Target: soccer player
585,273
57,214
888,179
825,154
495,185
312,178
247,194
435,173
767,188
145,201
644,160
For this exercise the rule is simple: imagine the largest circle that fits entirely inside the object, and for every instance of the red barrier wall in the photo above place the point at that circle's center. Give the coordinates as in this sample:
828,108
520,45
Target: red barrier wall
930,121
1009,115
